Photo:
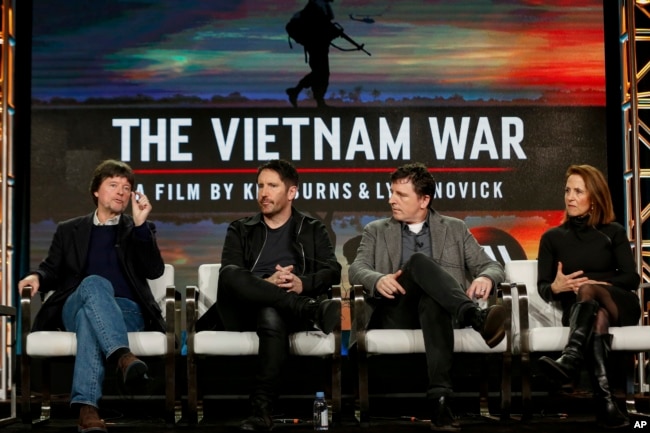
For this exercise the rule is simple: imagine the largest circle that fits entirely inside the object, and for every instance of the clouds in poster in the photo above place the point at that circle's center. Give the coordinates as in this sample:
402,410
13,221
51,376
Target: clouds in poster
476,49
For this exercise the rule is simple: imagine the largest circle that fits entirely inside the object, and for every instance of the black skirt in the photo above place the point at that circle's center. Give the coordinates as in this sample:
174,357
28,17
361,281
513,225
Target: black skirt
627,302
629,306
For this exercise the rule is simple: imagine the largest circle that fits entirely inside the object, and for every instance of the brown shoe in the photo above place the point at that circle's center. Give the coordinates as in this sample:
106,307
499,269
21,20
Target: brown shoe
89,420
490,324
132,368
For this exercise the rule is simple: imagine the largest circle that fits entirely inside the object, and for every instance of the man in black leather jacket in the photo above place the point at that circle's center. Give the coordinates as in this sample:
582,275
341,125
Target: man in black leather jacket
276,267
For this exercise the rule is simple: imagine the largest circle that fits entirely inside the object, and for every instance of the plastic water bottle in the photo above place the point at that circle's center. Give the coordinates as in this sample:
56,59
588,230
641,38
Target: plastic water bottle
321,418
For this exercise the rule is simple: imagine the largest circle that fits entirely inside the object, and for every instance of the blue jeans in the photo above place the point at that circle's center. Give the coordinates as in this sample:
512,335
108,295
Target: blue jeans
101,322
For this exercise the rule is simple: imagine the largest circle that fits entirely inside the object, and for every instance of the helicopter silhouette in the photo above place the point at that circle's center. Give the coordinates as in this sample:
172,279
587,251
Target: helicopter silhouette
368,19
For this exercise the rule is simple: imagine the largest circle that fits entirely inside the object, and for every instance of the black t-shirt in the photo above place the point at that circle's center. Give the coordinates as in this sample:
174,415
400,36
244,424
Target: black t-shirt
277,250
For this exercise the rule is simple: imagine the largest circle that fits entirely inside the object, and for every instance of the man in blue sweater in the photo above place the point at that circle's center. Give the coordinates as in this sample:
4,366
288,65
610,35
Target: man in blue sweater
97,267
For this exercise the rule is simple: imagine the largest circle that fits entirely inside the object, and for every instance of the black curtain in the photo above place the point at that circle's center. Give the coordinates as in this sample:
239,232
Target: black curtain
21,154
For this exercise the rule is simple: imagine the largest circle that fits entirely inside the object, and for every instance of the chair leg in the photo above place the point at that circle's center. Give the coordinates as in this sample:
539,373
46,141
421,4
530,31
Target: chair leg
192,391
484,408
364,396
337,406
46,404
630,376
26,409
172,409
526,394
506,386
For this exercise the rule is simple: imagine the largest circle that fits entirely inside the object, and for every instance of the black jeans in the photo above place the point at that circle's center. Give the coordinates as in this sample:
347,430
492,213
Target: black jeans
432,301
246,302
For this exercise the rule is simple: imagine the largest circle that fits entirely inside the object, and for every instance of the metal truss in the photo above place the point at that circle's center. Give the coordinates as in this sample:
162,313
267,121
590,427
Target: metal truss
634,26
635,64
7,309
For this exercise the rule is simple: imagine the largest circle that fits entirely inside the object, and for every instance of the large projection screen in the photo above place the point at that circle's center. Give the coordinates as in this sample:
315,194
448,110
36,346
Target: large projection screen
496,97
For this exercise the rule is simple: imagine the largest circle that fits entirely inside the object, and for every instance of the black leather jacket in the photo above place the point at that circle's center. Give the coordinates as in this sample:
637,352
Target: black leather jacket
318,268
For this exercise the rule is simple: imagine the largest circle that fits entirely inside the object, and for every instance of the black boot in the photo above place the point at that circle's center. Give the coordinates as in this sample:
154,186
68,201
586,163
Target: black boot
442,419
581,325
260,419
328,315
324,314
488,322
608,414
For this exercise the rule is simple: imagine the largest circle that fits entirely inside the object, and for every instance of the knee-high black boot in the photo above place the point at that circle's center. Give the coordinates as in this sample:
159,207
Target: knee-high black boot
608,414
581,326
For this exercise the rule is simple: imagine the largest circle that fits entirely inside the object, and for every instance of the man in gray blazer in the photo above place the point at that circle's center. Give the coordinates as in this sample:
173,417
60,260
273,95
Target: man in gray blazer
420,269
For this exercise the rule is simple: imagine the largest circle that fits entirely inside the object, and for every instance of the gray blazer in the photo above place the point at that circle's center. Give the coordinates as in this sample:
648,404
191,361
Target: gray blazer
453,246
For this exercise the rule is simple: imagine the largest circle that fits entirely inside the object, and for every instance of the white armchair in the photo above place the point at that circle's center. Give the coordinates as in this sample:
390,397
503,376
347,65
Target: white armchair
541,330
375,342
51,344
224,343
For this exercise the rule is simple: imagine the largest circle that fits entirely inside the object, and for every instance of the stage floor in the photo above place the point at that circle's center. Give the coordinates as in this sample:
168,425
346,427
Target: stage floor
390,415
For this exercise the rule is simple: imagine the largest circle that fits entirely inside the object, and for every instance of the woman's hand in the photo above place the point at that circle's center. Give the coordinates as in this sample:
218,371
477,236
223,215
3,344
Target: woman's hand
567,283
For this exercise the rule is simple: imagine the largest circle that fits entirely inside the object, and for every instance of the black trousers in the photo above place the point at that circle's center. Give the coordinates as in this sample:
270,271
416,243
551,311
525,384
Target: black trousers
246,302
433,300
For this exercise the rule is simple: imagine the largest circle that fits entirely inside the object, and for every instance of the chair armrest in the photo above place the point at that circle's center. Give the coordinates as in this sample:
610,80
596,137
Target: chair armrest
336,296
191,294
335,292
521,297
505,292
524,326
645,303
359,316
26,315
170,315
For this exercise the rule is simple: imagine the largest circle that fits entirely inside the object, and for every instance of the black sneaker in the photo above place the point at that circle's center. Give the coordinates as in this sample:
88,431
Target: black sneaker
442,419
489,323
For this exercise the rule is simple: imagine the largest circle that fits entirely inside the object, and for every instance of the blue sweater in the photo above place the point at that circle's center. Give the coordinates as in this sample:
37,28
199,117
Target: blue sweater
102,259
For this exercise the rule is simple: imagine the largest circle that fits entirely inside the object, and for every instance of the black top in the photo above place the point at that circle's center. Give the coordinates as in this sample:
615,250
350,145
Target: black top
277,250
602,252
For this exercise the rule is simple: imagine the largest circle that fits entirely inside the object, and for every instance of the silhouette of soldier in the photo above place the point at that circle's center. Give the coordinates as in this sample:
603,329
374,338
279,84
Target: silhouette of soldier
317,16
